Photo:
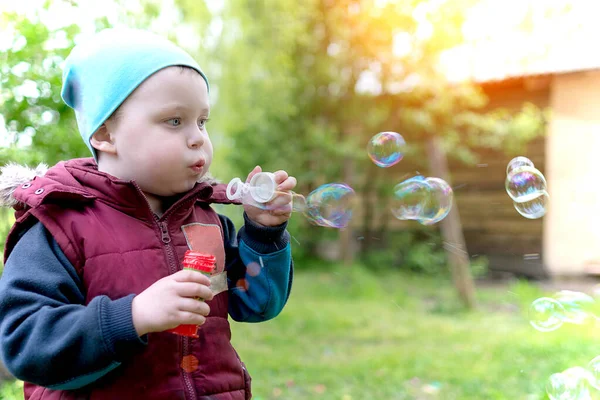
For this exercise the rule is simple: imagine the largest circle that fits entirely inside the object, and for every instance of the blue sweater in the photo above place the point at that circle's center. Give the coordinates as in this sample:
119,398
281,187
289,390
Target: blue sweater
39,287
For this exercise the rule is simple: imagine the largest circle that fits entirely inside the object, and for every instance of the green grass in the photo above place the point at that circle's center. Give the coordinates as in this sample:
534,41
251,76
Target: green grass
349,334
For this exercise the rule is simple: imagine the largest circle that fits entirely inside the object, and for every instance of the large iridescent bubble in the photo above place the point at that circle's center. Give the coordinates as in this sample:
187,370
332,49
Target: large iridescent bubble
426,200
331,205
439,201
410,197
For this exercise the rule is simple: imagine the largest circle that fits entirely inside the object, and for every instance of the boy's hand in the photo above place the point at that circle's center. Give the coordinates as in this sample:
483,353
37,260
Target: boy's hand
279,209
172,301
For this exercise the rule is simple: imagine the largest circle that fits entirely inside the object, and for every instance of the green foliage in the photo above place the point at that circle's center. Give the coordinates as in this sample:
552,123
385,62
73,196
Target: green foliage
290,73
31,81
30,102
420,251
290,94
11,390
6,221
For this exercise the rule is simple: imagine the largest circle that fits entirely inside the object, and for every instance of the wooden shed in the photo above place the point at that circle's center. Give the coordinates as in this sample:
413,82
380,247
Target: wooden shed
566,241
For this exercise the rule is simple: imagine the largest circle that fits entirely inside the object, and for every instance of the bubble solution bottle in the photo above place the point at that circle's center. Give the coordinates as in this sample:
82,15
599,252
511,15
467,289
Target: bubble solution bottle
205,264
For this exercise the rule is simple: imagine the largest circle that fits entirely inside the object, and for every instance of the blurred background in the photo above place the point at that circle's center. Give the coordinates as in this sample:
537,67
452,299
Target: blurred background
383,309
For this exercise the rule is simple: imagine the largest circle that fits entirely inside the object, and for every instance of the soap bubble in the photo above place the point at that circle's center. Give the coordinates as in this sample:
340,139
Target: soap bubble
524,184
331,205
426,200
533,208
546,314
298,202
385,149
410,197
438,203
579,308
570,384
594,369
518,162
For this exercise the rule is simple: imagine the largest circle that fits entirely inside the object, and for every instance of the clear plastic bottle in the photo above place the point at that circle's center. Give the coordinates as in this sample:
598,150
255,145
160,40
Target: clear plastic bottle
261,188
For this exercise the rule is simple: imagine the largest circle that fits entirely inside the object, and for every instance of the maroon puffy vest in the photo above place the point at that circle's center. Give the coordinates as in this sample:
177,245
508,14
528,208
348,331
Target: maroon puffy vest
119,247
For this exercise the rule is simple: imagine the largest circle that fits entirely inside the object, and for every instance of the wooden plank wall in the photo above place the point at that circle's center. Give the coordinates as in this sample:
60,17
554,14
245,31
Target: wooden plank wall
492,226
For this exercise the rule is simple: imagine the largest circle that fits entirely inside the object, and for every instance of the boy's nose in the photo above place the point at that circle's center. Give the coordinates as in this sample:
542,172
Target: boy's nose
196,139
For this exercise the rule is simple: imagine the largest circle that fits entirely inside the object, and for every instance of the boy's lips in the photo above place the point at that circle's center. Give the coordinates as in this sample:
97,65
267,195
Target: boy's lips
197,167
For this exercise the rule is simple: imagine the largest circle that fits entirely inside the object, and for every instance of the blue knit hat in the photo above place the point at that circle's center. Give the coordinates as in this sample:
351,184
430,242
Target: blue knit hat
102,72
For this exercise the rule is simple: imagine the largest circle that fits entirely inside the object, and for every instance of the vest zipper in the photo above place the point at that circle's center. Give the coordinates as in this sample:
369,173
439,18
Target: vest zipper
164,231
174,267
186,375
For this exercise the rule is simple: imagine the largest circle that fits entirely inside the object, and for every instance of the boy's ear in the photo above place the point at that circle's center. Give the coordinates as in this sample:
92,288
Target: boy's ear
102,140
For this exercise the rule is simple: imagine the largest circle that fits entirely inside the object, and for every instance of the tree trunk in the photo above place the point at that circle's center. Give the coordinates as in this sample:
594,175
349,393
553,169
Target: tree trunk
451,228
345,238
367,228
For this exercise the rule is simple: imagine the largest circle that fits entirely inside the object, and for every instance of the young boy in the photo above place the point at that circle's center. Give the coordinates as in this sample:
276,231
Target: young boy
93,279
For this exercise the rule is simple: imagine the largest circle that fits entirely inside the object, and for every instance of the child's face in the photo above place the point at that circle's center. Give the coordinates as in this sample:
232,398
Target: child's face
160,134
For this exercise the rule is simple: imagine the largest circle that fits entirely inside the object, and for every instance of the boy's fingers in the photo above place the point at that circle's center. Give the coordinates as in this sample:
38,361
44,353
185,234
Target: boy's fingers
193,290
187,275
280,176
255,171
282,199
288,184
194,306
192,318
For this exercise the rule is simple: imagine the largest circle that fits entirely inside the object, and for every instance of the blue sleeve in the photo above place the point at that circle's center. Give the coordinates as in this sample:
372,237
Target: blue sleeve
44,321
259,270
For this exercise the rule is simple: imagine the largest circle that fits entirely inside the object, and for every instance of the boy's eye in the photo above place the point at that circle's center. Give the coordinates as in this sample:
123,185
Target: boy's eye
174,121
202,123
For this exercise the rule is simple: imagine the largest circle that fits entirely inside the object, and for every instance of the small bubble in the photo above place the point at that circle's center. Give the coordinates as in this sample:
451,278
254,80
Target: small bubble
546,314
594,368
569,384
386,149
253,269
579,308
518,162
525,183
533,208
